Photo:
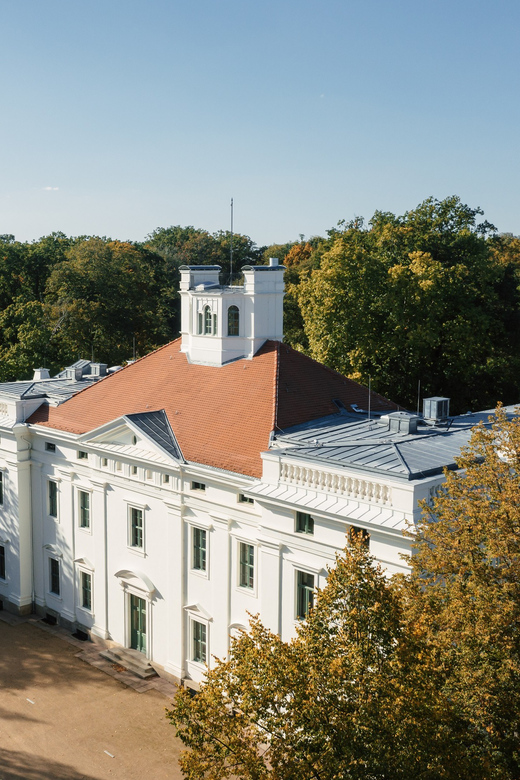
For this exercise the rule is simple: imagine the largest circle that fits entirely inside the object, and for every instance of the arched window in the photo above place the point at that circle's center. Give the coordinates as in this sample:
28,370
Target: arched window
232,321
208,321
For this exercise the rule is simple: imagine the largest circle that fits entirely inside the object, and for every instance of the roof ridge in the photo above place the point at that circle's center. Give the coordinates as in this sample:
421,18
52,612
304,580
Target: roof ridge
334,372
401,458
276,386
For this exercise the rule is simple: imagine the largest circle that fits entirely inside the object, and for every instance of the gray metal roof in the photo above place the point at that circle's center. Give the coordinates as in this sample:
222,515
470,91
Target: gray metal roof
370,445
56,389
157,427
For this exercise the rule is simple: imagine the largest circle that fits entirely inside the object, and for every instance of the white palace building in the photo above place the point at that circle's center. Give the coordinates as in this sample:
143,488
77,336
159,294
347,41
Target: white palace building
154,507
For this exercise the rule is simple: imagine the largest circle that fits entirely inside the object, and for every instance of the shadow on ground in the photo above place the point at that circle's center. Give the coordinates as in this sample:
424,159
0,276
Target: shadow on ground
22,766
28,654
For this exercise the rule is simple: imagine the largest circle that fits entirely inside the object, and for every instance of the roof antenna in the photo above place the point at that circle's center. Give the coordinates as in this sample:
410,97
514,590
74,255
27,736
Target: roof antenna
369,395
133,351
231,248
418,395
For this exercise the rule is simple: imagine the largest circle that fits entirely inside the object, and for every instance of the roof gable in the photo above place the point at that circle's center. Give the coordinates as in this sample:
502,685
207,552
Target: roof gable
146,435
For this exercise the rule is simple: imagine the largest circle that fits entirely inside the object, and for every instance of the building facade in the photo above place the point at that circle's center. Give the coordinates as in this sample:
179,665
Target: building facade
154,508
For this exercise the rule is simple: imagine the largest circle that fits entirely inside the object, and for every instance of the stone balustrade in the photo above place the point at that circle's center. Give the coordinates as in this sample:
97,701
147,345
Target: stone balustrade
351,487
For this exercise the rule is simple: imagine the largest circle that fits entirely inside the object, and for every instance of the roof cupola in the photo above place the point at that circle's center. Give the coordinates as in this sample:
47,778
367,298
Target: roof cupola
221,323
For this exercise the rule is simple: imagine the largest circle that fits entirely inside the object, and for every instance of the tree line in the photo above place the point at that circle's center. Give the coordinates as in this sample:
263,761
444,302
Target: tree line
424,303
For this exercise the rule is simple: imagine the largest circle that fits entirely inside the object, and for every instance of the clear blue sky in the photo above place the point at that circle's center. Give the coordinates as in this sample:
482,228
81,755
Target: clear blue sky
119,116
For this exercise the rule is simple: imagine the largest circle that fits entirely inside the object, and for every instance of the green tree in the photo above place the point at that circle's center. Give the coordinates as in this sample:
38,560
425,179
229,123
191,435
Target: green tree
465,592
25,340
102,297
346,698
25,267
417,297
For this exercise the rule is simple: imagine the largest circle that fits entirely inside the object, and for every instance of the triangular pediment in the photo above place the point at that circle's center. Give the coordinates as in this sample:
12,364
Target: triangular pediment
146,435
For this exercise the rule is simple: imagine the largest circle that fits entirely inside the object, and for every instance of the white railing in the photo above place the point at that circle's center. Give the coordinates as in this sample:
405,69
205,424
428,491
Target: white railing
352,487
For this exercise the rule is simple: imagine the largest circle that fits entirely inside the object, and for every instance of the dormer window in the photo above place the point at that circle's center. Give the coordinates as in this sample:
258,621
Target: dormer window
233,321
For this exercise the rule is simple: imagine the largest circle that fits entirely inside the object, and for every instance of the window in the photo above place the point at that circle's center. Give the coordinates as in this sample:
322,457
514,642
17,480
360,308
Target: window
134,470
54,571
199,549
247,565
166,478
84,509
104,462
304,593
245,499
86,590
82,455
199,649
362,532
201,323
136,527
1,487
119,466
232,321
198,486
148,474
304,523
2,562
208,321
134,439
50,447
52,496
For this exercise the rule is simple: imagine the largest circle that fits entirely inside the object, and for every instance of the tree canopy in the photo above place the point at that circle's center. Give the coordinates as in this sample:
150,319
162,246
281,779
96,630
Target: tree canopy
414,677
429,297
417,298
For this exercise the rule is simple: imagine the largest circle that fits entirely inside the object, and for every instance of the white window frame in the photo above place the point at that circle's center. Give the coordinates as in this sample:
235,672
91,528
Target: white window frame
58,559
199,572
83,572
316,571
142,508
302,532
55,481
88,490
195,616
243,588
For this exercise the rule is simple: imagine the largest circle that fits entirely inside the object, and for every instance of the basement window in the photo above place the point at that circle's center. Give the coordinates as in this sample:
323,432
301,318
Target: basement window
198,486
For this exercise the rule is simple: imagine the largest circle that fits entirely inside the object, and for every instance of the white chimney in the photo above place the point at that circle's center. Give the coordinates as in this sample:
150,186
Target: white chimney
41,373
273,261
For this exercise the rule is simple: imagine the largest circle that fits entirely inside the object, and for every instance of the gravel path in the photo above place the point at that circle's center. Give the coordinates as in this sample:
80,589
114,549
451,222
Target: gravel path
63,719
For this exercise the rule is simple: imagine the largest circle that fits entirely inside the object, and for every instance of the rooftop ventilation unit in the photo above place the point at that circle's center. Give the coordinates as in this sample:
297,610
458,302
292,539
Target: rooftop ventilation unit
98,369
73,373
41,373
436,409
401,422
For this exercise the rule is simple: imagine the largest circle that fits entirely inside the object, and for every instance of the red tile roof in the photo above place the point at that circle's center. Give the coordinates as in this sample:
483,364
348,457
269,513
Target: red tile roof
221,416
